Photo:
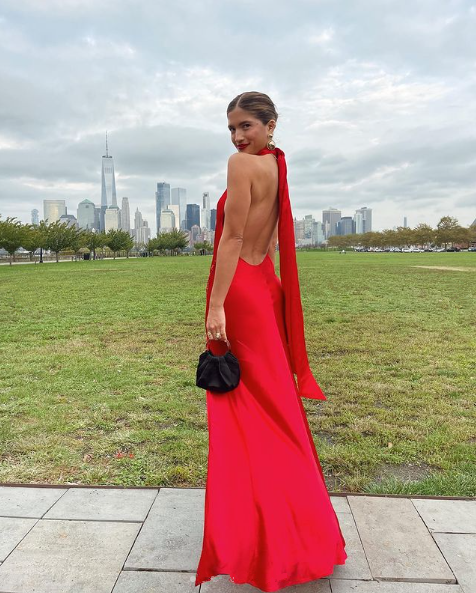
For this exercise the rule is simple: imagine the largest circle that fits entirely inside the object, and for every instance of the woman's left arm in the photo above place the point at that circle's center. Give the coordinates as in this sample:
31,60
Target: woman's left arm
237,206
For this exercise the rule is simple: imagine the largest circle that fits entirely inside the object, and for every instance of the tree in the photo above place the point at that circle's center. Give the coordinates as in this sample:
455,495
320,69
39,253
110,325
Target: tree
178,240
389,238
447,230
78,240
472,233
174,241
341,241
424,235
159,243
12,235
203,247
462,235
118,240
35,237
94,240
128,243
59,236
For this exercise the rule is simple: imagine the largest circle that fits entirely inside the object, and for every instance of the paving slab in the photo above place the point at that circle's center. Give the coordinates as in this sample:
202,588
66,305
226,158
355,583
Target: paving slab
172,535
12,531
103,504
222,584
155,582
460,552
385,587
17,501
340,504
68,557
396,541
450,516
356,565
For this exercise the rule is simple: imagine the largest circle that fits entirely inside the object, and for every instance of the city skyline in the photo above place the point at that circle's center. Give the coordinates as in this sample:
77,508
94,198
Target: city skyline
375,102
108,193
171,211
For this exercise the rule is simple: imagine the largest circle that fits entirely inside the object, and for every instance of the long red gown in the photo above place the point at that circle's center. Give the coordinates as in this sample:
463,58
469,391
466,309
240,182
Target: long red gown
268,521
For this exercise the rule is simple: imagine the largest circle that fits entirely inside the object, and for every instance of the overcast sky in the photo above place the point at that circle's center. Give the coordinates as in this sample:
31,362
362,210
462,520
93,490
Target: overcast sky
376,101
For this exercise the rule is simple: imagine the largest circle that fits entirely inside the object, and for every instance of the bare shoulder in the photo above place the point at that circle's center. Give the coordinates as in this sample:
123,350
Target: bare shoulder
240,161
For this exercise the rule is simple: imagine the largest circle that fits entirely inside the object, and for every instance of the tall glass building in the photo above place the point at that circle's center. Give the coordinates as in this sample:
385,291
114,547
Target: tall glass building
363,220
330,218
86,211
179,198
53,209
108,185
162,201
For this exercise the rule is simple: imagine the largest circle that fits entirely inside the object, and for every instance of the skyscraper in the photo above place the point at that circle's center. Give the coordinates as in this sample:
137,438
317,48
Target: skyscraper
179,197
53,209
162,201
112,218
86,211
169,218
108,187
363,220
193,216
35,217
205,212
330,218
125,215
141,230
345,226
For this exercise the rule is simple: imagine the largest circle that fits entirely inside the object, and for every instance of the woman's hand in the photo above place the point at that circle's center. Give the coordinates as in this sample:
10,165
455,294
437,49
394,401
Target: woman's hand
216,323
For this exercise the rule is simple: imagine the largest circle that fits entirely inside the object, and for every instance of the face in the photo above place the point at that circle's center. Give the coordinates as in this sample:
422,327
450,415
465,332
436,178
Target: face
248,133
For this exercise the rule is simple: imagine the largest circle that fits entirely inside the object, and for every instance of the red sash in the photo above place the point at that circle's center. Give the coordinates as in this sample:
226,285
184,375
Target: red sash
294,322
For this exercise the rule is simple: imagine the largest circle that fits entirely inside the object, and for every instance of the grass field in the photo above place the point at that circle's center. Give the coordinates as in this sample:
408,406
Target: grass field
98,359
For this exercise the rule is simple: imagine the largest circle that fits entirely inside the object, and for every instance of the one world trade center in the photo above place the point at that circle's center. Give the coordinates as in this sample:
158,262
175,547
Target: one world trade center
108,190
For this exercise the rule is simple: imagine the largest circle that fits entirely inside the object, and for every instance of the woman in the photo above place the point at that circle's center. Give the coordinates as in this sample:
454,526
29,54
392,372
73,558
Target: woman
269,521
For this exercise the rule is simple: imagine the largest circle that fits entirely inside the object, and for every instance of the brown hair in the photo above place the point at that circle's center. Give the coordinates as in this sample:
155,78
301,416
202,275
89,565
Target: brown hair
258,104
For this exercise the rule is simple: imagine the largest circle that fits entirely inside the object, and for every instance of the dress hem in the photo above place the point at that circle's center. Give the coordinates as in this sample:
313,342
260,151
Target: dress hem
280,584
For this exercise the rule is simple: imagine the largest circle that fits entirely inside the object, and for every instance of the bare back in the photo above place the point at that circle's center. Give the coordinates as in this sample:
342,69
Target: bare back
263,214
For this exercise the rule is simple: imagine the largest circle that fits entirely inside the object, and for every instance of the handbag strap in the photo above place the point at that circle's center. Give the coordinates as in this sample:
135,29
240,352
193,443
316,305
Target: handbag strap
212,339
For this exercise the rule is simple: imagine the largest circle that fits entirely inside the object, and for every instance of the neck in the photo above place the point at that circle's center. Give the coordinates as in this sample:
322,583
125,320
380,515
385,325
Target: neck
266,150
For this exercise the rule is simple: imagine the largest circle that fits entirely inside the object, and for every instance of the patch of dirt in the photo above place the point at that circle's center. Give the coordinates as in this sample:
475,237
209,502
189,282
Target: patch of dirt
408,472
451,268
333,482
324,436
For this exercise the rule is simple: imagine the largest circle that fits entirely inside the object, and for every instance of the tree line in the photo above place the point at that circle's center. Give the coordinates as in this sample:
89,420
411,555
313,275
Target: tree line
59,236
448,230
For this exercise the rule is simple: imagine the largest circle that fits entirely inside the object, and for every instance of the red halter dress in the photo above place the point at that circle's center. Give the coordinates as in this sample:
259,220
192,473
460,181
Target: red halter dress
269,521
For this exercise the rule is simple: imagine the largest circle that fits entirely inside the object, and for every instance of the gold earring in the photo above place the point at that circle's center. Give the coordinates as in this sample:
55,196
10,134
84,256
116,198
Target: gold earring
271,144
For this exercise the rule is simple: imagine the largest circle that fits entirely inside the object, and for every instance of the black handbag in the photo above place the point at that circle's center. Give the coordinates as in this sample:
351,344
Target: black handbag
218,373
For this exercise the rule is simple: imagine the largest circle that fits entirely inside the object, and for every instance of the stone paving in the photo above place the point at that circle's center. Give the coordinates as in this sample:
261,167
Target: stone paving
145,540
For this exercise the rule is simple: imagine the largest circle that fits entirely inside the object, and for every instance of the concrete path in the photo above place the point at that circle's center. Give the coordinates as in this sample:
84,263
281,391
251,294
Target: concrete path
146,540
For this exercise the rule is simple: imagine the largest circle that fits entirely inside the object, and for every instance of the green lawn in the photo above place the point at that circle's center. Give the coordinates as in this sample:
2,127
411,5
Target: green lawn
98,359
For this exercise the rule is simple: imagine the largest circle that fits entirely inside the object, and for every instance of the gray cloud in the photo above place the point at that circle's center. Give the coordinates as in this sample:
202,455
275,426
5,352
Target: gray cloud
376,100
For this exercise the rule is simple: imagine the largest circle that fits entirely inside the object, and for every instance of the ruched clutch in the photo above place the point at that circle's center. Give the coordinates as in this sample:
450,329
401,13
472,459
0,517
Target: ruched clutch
218,373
